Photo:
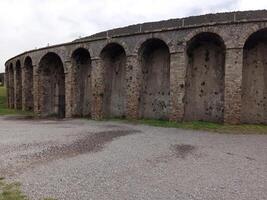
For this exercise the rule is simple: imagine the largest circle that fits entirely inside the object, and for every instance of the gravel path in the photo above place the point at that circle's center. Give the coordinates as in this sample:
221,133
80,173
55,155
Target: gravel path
80,159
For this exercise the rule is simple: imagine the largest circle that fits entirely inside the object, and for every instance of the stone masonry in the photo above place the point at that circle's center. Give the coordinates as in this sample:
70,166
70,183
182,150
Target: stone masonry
209,68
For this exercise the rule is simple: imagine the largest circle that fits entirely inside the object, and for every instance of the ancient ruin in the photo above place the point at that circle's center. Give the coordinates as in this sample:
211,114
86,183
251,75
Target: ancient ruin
210,67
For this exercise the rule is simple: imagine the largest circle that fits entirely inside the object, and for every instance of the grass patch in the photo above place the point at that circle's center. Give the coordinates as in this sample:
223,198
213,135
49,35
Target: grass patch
12,191
202,126
3,106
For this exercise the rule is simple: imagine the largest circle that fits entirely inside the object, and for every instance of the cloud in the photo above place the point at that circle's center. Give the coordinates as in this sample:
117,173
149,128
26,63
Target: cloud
27,24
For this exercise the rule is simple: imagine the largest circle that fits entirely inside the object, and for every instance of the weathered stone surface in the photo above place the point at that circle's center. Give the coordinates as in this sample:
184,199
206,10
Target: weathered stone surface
51,86
161,70
18,85
232,90
177,85
113,59
81,83
27,84
155,80
133,81
254,85
204,99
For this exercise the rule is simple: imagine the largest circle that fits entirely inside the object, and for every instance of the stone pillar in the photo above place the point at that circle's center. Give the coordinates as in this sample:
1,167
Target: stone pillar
68,90
233,83
177,85
15,89
36,91
24,89
133,83
73,100
98,87
6,79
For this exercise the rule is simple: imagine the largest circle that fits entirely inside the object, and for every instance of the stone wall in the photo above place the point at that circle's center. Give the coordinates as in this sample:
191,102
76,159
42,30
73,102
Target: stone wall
254,92
114,64
81,82
18,85
51,86
209,68
155,80
204,99
27,83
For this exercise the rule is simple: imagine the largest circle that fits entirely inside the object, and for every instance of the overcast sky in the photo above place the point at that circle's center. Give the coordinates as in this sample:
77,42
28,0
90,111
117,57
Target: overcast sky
29,24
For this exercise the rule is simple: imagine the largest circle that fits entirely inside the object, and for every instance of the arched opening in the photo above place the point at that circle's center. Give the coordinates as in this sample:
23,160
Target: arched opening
82,89
18,88
28,84
154,57
254,83
11,93
204,99
52,86
113,58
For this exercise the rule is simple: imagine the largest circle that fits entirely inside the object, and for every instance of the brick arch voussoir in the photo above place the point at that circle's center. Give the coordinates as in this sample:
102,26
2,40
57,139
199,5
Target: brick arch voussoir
139,44
62,58
212,30
114,41
250,31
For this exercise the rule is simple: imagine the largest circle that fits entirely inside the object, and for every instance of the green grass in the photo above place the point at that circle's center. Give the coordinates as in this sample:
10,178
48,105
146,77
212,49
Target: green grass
202,126
3,106
12,191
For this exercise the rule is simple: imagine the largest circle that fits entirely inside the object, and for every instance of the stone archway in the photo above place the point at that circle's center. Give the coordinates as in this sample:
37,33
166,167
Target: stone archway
51,86
204,97
254,83
82,88
113,58
154,58
18,86
28,84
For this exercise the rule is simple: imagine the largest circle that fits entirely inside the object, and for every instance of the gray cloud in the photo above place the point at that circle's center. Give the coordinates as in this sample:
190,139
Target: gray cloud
27,24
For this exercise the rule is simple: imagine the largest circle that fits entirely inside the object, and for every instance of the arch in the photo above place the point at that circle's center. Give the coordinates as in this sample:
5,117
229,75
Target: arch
28,84
215,31
18,85
82,88
140,43
204,95
154,58
115,41
60,54
249,31
113,59
51,86
254,83
11,91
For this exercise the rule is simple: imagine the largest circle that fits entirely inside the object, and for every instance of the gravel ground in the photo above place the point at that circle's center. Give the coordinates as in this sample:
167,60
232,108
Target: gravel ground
80,159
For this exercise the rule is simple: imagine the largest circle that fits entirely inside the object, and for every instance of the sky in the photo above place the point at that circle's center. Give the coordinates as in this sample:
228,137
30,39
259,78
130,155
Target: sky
30,24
